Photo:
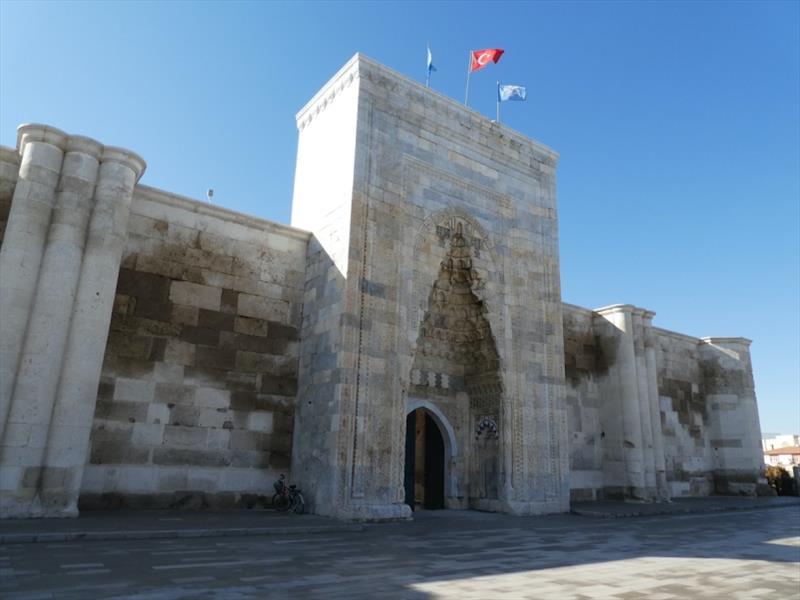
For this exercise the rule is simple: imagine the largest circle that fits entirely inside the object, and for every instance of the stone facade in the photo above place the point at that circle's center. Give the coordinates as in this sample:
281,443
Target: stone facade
622,372
196,397
158,351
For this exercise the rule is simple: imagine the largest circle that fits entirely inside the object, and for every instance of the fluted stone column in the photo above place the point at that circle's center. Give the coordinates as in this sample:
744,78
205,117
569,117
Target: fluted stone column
662,488
68,440
42,151
43,349
623,458
644,403
59,265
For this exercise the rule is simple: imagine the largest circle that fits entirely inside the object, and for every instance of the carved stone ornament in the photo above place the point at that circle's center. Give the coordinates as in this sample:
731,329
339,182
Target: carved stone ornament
486,427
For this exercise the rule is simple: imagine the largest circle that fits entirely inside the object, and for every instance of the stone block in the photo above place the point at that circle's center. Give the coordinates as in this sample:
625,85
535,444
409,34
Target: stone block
260,421
279,385
252,459
188,457
243,400
143,285
192,437
206,377
193,294
263,308
274,404
158,414
242,439
212,398
242,381
212,418
185,416
174,393
218,439
112,431
118,410
104,453
167,373
200,335
179,352
279,461
229,301
215,358
185,315
156,310
280,331
147,434
250,326
134,390
212,319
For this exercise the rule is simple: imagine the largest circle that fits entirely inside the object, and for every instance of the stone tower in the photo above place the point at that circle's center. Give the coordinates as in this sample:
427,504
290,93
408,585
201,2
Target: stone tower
432,281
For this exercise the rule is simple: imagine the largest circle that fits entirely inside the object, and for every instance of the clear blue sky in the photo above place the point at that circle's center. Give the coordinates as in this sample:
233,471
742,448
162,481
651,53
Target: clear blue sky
678,126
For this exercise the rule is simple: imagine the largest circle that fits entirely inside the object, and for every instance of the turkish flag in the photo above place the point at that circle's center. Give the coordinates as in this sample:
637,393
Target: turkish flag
481,58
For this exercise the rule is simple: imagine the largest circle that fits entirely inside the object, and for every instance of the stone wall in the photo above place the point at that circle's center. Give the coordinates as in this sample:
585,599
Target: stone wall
584,366
684,415
704,387
196,397
9,171
159,351
734,429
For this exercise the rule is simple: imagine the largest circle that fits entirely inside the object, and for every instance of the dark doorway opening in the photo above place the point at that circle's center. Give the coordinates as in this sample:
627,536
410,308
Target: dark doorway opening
424,467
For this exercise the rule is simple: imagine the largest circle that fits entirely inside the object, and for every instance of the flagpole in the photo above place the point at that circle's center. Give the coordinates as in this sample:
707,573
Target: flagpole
469,70
498,102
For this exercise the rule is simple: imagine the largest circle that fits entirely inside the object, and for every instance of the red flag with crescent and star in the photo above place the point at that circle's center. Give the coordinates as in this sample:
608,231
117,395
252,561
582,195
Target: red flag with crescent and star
481,58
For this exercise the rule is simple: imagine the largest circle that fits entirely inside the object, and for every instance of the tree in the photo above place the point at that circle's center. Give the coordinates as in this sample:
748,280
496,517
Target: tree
780,480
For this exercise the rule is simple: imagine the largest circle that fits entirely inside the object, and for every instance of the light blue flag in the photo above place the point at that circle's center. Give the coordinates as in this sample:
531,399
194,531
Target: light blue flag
511,92
430,62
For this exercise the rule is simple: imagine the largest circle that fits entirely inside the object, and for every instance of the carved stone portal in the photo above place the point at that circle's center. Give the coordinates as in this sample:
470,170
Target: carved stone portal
456,364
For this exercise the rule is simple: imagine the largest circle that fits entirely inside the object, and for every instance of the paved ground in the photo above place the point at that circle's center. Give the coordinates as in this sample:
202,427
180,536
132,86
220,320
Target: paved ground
155,524
679,505
743,554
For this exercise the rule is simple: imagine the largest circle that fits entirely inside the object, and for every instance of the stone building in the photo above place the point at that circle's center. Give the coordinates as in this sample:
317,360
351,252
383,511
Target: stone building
403,343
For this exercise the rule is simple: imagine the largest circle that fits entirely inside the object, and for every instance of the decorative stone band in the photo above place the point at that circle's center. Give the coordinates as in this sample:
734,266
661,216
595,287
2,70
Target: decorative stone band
449,110
614,308
724,341
36,132
78,144
126,158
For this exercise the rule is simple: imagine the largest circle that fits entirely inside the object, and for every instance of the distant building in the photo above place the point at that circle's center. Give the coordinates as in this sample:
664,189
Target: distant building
780,441
782,451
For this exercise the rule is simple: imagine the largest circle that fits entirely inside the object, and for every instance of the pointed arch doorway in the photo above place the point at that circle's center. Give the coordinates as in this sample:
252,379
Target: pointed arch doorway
427,453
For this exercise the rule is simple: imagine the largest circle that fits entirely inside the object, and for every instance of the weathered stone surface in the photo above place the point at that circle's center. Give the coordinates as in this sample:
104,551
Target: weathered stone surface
177,353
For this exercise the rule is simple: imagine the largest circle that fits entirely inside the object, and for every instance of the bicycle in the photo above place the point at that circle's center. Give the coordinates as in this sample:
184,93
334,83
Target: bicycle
288,498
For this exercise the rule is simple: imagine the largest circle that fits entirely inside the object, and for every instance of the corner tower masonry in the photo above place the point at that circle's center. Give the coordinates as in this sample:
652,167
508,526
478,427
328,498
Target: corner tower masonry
436,248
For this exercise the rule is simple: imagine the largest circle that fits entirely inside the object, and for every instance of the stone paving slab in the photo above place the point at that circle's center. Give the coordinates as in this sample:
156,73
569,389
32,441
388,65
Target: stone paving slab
446,555
612,509
145,524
